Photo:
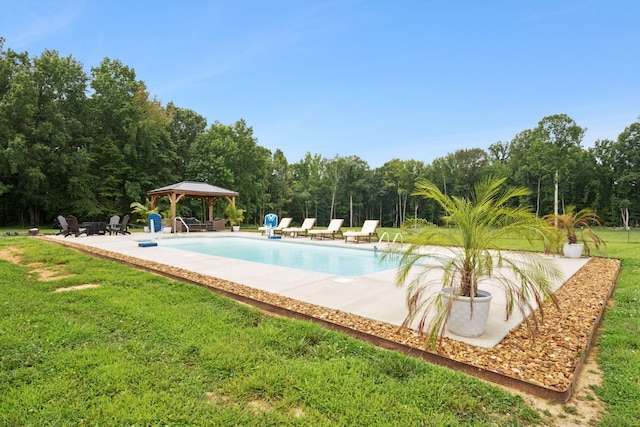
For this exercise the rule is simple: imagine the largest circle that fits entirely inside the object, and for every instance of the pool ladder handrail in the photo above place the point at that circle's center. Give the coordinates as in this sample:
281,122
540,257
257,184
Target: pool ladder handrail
179,218
388,237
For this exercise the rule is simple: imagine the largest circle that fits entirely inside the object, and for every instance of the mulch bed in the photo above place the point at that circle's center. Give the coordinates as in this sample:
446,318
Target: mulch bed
551,360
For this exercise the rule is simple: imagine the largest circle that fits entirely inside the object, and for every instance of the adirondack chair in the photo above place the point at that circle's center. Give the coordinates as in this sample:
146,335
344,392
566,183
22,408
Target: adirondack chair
72,226
122,228
113,223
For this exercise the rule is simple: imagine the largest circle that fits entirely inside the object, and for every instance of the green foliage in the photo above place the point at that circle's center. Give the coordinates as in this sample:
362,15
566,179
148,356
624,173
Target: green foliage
618,175
43,152
474,255
143,211
229,157
281,185
233,214
306,175
548,154
399,179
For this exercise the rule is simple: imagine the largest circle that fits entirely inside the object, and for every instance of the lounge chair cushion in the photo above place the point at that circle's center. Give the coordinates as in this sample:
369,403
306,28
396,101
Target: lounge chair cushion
303,230
368,232
334,229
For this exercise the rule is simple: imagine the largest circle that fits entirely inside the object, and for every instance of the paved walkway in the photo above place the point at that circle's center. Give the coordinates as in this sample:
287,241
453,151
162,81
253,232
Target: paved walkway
373,296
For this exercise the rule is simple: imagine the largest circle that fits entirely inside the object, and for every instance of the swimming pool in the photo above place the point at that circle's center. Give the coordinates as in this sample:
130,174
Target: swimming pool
322,259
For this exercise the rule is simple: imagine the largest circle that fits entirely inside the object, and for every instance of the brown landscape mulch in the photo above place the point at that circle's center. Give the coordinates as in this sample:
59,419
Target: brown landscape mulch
550,361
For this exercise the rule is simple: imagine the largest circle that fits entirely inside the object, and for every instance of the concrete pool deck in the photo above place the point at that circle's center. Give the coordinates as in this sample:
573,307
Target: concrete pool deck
373,296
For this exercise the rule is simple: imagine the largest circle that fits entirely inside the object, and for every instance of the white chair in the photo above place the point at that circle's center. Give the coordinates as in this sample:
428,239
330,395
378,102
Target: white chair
334,228
303,230
367,232
284,222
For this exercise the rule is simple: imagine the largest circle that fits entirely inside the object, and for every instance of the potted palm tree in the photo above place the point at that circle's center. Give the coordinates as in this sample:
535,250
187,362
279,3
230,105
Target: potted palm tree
143,211
579,236
441,280
234,216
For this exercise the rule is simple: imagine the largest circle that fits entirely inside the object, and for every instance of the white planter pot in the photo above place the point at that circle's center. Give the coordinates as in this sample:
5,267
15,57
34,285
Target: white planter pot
146,229
465,320
573,250
236,228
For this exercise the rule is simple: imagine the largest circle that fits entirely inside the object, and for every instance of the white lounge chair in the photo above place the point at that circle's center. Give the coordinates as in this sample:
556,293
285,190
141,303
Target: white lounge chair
368,232
284,223
334,228
303,230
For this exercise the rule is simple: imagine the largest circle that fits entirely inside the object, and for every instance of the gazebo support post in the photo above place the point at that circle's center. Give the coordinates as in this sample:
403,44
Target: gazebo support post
210,202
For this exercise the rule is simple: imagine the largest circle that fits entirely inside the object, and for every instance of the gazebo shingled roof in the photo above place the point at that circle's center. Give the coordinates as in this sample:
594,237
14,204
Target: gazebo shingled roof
200,190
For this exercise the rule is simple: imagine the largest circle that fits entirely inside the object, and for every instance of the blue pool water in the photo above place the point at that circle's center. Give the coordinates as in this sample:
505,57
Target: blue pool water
322,259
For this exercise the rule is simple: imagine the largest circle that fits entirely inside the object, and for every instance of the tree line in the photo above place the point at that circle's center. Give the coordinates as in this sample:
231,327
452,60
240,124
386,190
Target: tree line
90,144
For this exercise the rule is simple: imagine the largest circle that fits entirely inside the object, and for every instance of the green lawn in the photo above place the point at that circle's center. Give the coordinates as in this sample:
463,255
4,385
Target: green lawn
619,342
144,350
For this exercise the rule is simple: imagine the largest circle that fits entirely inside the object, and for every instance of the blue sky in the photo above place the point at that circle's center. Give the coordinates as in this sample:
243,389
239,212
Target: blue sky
376,79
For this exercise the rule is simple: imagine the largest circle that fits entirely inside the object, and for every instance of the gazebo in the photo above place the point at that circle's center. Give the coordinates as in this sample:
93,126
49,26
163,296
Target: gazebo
198,190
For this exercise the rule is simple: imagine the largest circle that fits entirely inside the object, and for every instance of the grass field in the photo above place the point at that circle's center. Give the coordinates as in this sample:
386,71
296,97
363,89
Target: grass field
140,349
